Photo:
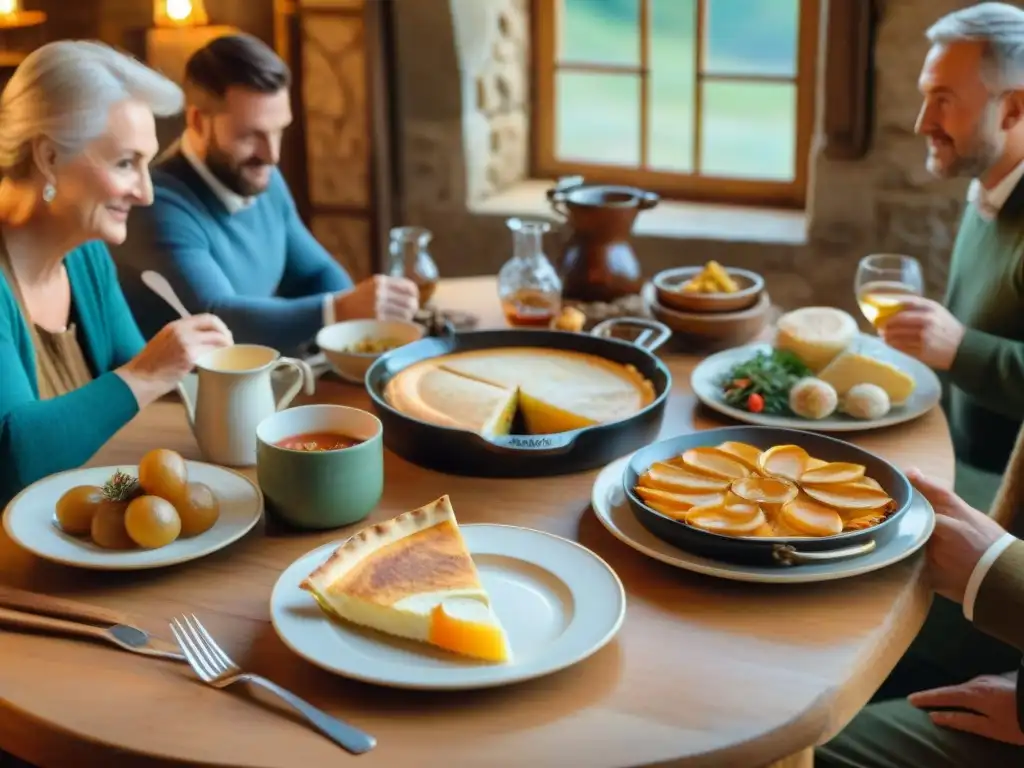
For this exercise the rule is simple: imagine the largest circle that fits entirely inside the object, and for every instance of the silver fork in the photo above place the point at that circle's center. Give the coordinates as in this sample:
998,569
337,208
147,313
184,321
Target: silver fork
216,668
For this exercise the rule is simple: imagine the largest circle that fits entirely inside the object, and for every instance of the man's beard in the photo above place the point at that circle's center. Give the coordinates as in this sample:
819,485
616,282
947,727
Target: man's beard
985,149
229,173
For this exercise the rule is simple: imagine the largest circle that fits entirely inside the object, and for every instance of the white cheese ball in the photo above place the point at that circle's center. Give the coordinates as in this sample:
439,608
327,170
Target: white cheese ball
812,398
866,401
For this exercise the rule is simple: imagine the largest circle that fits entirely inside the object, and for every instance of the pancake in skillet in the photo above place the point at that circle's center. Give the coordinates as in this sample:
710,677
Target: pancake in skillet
429,393
558,390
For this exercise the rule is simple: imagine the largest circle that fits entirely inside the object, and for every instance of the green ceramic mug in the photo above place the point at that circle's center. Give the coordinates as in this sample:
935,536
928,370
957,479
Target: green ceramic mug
320,489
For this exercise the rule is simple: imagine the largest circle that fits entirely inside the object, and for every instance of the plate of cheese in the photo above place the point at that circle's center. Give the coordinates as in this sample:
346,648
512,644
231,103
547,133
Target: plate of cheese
820,373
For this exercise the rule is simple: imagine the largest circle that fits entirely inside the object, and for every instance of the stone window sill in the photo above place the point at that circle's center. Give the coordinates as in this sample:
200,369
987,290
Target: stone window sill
669,219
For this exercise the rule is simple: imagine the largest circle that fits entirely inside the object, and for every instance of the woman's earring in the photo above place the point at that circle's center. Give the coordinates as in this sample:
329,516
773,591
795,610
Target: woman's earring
49,192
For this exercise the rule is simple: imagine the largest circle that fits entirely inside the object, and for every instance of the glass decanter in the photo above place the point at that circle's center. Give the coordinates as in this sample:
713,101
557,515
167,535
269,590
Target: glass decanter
528,286
409,258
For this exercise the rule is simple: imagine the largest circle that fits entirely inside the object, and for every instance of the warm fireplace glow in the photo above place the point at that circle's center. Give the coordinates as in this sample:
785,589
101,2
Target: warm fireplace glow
177,13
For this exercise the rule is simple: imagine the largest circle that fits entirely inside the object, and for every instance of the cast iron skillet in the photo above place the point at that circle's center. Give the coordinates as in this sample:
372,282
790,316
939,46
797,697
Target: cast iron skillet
775,551
461,452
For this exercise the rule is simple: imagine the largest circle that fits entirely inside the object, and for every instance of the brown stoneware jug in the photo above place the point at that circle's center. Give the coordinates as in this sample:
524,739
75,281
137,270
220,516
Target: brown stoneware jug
597,261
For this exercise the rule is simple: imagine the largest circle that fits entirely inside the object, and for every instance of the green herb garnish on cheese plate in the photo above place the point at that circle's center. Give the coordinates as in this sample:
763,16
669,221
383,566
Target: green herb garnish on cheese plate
761,384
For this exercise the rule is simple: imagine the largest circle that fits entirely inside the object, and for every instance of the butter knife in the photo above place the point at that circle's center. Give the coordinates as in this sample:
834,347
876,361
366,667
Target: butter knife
29,610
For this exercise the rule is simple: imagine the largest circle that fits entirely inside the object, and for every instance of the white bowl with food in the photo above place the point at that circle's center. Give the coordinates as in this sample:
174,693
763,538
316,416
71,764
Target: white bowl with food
351,346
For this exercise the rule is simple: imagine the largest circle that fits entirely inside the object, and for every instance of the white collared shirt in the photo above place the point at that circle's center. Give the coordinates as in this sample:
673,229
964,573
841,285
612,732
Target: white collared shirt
235,202
990,201
981,570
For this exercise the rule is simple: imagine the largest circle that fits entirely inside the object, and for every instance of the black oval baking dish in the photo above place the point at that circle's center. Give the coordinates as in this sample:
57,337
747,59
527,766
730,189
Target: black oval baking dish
769,551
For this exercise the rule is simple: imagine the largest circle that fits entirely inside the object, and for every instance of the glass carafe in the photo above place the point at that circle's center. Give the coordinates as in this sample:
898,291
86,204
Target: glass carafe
409,258
528,286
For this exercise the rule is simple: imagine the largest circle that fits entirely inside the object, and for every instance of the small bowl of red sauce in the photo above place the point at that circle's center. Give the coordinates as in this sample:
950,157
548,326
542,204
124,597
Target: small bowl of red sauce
320,466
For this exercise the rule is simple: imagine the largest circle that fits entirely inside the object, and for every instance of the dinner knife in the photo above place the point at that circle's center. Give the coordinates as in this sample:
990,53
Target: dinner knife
20,609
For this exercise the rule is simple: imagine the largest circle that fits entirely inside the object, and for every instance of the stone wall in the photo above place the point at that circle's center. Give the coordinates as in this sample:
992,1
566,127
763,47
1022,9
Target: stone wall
463,75
888,201
502,95
335,115
461,109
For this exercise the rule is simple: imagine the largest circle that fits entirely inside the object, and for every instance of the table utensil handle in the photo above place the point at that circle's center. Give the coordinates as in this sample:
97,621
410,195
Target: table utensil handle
652,334
159,285
355,741
20,620
46,605
787,554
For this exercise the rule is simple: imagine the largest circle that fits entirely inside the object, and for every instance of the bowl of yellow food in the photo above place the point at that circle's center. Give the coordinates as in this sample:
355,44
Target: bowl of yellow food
766,495
709,288
351,346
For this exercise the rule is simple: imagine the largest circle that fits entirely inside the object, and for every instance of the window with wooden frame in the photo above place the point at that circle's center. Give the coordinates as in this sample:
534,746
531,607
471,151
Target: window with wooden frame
693,99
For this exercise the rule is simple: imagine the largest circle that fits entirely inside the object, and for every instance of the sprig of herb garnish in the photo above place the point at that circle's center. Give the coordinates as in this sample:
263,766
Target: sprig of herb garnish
121,487
762,383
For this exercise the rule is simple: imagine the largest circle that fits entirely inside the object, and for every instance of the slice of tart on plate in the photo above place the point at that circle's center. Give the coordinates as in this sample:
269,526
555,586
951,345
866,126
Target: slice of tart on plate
413,577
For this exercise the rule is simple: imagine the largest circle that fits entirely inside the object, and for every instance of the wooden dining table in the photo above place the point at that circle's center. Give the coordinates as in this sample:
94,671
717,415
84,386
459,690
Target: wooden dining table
704,671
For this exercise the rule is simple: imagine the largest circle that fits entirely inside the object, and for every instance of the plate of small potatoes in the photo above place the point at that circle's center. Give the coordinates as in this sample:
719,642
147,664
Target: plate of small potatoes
164,511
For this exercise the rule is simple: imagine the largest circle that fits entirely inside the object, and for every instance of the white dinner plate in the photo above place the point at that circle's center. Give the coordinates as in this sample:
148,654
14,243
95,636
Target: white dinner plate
558,601
612,508
706,377
30,520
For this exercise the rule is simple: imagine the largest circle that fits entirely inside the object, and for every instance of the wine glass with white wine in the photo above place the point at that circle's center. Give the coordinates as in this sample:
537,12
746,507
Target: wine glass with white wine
883,280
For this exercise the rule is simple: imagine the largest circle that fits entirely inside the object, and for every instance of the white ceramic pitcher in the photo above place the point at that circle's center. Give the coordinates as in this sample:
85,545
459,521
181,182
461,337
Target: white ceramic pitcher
234,393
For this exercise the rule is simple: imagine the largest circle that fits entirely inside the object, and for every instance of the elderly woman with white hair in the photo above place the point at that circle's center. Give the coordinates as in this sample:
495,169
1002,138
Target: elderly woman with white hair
77,133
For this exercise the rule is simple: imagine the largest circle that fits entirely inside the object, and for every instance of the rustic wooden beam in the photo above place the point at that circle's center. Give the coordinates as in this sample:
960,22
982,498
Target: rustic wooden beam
848,90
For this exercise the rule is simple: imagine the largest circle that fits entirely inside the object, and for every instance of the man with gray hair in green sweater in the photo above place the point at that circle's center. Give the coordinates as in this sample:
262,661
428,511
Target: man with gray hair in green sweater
973,119
973,83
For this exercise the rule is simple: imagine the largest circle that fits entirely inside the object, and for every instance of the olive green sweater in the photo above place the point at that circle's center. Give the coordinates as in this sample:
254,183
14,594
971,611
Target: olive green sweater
984,396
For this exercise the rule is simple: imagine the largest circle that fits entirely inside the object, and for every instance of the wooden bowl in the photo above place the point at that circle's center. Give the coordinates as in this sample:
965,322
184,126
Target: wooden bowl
668,282
718,330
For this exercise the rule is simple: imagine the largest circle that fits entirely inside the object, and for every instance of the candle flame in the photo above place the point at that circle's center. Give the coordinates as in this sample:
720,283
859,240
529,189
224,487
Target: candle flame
8,7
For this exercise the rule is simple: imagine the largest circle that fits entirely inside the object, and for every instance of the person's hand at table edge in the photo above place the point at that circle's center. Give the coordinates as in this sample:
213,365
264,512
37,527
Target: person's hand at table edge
985,706
961,538
383,297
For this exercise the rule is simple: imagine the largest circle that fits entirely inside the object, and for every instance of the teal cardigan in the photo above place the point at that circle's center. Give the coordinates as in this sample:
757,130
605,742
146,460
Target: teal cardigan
41,437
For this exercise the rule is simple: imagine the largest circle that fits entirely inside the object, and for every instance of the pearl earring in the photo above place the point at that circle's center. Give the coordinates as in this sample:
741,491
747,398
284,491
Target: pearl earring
49,192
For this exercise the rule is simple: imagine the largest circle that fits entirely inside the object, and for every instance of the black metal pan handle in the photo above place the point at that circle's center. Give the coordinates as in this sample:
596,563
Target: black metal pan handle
550,445
787,554
652,333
